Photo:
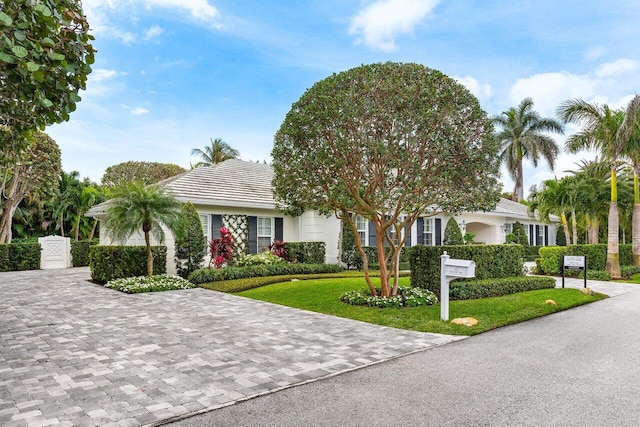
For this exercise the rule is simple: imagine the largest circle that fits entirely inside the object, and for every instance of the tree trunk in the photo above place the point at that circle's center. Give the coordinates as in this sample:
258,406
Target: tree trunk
613,231
385,290
574,226
149,254
519,190
93,229
565,226
365,259
635,220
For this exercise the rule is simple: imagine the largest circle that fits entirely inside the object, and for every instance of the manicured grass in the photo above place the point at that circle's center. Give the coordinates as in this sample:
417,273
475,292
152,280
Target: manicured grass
323,296
633,279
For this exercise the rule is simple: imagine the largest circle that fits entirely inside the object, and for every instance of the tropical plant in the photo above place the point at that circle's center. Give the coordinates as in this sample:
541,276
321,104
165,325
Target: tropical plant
217,152
452,233
45,58
190,242
600,131
522,135
387,142
630,132
222,249
551,198
138,208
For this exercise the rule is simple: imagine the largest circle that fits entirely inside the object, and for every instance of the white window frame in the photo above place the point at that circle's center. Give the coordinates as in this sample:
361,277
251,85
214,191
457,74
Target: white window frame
540,235
206,226
429,228
364,238
508,228
269,236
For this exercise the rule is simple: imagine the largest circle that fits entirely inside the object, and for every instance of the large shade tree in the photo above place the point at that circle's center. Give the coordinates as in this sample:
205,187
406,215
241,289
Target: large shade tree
142,208
45,57
31,173
217,152
146,173
522,134
600,130
389,142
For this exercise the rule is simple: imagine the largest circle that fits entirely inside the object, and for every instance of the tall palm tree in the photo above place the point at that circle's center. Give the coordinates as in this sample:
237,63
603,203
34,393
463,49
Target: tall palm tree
630,132
600,131
136,208
551,198
522,136
217,152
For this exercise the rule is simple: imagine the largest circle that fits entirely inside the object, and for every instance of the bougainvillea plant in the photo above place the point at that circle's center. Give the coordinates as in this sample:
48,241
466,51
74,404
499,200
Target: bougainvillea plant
222,249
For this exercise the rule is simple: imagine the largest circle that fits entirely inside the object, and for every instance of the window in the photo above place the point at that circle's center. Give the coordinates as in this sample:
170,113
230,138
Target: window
361,226
508,228
265,233
204,220
540,239
428,232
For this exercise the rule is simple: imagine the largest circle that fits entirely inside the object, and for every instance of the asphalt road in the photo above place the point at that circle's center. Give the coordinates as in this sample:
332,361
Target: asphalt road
579,367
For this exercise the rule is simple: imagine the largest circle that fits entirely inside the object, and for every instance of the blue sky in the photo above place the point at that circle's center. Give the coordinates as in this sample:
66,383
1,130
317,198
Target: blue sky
171,74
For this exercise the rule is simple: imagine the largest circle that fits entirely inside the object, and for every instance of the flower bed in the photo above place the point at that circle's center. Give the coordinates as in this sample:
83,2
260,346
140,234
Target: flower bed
161,282
407,297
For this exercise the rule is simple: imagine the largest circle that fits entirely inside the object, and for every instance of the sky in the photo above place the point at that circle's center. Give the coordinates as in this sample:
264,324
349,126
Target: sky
172,74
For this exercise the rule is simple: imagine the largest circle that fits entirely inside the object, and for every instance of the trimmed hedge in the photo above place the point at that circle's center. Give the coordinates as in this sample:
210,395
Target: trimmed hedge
473,289
20,256
306,252
207,275
492,261
532,252
116,262
80,252
550,260
372,257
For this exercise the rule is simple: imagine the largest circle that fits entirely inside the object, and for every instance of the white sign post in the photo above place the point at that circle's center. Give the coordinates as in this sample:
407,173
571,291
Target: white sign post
452,269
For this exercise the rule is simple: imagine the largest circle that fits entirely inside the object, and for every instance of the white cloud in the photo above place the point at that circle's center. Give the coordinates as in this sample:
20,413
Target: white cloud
101,74
380,22
153,32
481,91
200,10
621,66
139,111
595,53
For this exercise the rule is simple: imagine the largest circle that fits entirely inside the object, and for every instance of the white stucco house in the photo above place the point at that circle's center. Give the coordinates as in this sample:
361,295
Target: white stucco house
238,195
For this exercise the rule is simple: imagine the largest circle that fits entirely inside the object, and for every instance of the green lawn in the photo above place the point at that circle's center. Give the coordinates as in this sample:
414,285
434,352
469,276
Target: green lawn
633,279
323,296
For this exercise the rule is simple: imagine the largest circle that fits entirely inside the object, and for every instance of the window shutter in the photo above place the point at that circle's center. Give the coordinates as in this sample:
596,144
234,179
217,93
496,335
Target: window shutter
372,234
252,221
216,223
531,235
279,228
420,227
546,235
438,232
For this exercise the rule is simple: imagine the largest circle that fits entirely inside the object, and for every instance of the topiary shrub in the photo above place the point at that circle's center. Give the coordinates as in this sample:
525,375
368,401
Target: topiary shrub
190,242
492,261
20,256
207,275
519,234
452,234
115,262
473,289
80,252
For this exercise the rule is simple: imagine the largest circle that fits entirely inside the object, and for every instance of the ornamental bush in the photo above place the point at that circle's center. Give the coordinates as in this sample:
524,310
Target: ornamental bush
519,234
161,282
115,262
492,261
306,252
550,261
407,297
372,256
80,252
19,256
190,243
263,258
473,289
452,233
208,275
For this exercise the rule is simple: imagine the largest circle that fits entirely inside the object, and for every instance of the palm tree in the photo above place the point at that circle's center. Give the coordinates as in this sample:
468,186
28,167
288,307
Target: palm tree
600,131
138,207
630,132
67,187
217,152
522,137
551,198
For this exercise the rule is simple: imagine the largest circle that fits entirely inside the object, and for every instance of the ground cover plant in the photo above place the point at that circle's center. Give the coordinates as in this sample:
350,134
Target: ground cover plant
161,282
322,296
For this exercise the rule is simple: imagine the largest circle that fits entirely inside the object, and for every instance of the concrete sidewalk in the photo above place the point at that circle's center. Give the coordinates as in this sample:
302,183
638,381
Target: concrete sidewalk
73,353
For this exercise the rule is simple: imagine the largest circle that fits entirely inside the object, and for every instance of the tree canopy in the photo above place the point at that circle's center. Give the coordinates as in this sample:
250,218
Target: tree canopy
146,173
389,142
45,57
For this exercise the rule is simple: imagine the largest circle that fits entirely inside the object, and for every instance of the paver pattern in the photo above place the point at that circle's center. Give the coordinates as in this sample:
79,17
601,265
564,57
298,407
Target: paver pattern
73,353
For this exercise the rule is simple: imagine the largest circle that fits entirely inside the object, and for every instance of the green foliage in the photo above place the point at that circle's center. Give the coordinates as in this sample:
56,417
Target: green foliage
349,253
80,252
146,173
492,261
19,256
531,253
190,242
406,297
602,275
627,271
452,234
472,289
115,262
550,261
263,258
519,234
217,152
306,252
161,282
206,275
372,256
561,239
45,58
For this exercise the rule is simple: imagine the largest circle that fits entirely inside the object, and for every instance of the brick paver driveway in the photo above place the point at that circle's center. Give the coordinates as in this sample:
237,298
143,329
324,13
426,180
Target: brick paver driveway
75,353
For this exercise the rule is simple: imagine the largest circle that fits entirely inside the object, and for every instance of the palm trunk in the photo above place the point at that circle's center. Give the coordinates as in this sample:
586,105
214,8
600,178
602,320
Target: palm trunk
93,229
519,184
635,220
613,232
149,254
574,225
565,226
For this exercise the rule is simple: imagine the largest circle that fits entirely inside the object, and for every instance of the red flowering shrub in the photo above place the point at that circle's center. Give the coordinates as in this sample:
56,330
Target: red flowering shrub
222,249
277,248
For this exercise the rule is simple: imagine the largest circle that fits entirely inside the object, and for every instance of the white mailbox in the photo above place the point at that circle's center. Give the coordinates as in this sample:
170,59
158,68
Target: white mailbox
452,269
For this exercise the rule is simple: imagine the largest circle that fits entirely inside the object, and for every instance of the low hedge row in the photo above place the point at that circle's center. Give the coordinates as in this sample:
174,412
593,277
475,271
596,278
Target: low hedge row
306,252
473,289
207,275
19,256
80,252
353,259
550,259
116,262
492,261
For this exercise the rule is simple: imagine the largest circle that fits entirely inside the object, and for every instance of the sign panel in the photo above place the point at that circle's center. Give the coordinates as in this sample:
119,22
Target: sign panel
574,262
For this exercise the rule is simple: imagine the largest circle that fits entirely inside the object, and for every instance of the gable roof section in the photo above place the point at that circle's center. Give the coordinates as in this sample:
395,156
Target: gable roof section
517,210
230,183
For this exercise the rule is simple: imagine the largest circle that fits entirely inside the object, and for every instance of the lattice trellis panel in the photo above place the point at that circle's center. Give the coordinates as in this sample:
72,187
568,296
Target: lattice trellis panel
238,225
